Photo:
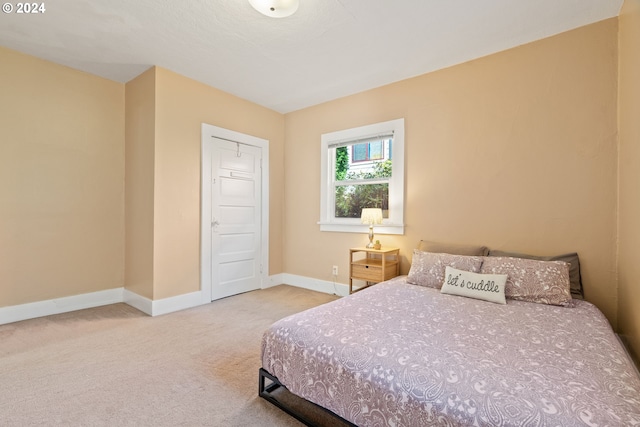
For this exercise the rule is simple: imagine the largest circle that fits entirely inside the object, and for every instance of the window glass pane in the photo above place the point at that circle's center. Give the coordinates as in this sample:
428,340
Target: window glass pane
346,170
351,199
360,152
375,150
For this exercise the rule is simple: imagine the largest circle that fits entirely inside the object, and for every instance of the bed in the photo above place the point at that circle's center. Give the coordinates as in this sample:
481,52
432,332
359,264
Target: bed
406,354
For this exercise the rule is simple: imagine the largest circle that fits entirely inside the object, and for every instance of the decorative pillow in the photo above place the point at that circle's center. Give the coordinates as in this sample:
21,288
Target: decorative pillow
574,270
452,248
487,287
545,282
427,268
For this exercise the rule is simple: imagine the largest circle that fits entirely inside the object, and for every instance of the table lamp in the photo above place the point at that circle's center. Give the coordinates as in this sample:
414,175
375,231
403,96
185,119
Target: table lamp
371,216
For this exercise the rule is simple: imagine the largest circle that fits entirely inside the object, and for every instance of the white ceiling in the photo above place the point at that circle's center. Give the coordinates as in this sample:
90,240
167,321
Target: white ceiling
328,49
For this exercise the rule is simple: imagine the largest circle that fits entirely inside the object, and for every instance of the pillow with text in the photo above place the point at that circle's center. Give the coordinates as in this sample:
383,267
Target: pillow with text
487,287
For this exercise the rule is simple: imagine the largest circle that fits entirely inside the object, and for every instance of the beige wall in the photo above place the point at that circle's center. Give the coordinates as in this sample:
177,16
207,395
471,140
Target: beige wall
61,181
182,105
139,182
516,150
629,172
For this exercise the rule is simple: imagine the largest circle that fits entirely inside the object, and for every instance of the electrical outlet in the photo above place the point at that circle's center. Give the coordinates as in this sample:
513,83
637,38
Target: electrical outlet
335,270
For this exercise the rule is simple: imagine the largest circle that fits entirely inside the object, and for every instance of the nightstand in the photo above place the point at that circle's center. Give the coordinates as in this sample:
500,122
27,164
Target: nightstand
372,265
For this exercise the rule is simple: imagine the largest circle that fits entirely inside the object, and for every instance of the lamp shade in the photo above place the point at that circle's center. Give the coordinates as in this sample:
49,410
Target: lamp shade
371,216
275,8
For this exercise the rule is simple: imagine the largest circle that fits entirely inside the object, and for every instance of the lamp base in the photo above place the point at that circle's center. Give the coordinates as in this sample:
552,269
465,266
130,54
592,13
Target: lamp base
370,244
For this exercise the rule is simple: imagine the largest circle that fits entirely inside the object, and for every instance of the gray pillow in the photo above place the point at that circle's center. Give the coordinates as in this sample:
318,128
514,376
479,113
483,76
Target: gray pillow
452,248
572,259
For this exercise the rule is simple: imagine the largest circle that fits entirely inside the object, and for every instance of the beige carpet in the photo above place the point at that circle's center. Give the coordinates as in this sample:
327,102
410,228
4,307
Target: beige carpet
115,366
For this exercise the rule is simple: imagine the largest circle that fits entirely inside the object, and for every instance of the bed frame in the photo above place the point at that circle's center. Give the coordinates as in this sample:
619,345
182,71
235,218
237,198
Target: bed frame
310,414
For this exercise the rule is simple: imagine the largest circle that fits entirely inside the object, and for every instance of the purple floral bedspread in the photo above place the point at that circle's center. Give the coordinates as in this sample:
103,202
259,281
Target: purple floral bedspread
398,354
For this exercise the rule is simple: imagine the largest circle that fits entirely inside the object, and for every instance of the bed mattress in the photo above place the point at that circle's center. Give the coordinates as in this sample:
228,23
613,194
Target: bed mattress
398,354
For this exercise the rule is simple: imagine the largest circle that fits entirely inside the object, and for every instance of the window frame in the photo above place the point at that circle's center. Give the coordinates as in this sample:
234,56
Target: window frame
392,225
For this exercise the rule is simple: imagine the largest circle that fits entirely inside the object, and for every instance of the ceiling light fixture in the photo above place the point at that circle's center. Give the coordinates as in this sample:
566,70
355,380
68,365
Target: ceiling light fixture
275,8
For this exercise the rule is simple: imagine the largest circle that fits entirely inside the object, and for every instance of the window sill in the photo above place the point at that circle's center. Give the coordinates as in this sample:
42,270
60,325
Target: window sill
361,228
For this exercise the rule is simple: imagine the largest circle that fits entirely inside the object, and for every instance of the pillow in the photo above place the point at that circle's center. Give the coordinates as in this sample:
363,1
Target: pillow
427,268
487,287
544,282
452,248
572,259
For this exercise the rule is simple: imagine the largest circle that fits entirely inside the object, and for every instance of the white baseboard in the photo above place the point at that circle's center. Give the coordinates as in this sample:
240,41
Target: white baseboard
33,310
16,313
177,303
274,280
143,304
165,305
310,283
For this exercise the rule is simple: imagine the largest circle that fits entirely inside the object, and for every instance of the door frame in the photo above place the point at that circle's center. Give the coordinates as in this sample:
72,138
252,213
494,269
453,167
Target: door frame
208,132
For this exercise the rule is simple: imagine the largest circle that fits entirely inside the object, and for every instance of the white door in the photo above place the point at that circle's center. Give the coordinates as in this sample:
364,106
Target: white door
235,218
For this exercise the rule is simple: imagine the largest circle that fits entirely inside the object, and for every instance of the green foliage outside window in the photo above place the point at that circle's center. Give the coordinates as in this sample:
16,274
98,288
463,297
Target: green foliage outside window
342,163
351,199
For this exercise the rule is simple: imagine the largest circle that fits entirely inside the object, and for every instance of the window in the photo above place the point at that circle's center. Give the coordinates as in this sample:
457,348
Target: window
363,168
362,180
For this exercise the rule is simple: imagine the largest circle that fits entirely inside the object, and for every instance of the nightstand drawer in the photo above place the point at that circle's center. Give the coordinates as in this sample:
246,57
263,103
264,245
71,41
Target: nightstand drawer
370,273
